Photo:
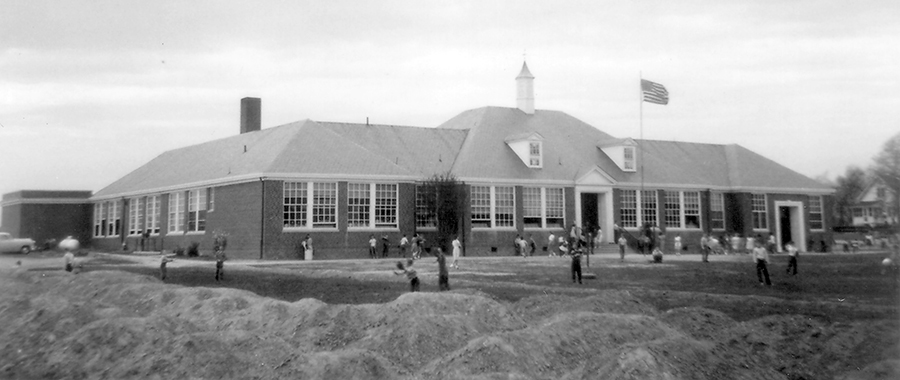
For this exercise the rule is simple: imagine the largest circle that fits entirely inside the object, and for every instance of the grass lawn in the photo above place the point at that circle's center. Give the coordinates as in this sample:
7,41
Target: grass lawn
831,287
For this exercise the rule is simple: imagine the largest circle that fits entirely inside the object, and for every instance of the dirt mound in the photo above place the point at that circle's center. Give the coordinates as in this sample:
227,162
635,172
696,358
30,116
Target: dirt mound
113,325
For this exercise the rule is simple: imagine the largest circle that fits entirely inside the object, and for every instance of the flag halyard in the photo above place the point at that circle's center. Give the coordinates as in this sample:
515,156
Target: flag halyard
654,92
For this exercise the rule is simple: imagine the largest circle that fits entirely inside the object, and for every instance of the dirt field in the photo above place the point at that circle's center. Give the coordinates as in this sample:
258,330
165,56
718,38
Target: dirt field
506,318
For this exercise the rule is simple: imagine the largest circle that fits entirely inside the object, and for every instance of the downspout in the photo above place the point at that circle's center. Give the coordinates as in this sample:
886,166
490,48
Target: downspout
262,218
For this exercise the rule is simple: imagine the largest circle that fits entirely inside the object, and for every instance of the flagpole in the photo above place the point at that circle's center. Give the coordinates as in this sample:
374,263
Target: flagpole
641,138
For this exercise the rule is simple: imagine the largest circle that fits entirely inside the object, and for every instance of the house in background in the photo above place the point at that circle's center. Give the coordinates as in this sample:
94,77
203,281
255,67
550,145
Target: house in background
875,206
525,171
46,215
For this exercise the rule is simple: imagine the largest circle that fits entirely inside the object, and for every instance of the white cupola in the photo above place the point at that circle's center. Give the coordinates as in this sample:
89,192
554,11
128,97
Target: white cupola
525,90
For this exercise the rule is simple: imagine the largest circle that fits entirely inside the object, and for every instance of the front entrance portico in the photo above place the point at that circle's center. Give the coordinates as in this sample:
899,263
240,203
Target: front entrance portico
594,202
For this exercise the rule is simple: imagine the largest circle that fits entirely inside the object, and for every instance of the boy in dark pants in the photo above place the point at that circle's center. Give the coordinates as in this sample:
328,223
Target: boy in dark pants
576,265
761,255
410,274
792,253
162,266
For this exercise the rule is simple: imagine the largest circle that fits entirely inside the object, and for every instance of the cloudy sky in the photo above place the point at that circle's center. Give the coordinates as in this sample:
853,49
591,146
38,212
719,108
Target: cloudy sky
91,90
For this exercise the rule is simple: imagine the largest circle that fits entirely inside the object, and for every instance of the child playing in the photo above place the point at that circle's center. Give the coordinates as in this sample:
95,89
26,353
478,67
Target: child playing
410,274
761,255
657,255
792,253
69,260
576,265
162,266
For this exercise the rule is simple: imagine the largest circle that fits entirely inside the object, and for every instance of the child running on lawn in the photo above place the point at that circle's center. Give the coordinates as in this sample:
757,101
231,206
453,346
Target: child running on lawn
410,274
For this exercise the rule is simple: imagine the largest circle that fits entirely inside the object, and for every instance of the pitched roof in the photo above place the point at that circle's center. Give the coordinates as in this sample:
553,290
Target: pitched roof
304,148
569,144
472,145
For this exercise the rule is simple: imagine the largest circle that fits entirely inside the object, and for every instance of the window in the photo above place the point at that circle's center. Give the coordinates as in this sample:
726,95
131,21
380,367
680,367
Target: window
299,212
691,209
532,207
648,207
324,206
628,155
197,210
176,212
673,209
543,207
135,216
362,212
114,218
99,219
534,154
358,204
759,212
556,207
426,206
857,212
880,193
717,211
493,206
386,205
152,221
481,206
295,204
504,206
628,209
815,214
682,209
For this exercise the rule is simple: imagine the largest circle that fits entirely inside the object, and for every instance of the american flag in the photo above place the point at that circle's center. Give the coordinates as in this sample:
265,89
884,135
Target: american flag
654,92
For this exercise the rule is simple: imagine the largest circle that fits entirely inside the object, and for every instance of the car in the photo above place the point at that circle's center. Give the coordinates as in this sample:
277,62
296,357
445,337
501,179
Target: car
11,244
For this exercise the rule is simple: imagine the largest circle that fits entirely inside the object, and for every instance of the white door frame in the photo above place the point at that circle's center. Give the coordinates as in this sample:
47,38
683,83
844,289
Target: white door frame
797,227
604,205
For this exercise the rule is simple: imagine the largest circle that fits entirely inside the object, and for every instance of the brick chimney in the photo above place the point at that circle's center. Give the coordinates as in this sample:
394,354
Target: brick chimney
250,115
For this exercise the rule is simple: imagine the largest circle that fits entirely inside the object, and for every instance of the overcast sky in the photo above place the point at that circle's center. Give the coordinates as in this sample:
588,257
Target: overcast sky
91,90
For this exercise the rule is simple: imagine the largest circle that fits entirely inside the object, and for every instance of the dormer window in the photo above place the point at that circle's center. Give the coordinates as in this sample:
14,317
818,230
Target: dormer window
620,151
529,147
534,156
628,158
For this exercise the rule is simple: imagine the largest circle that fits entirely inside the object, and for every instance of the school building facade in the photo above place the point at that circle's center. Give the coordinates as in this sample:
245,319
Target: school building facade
524,171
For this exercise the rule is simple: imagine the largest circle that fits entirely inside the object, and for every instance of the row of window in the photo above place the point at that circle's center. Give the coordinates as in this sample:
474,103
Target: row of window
682,210
375,205
144,213
314,205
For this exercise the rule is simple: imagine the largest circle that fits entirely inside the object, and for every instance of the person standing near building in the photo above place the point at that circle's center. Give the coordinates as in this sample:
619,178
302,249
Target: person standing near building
677,243
69,260
761,256
770,244
622,243
551,245
792,254
443,274
220,242
404,245
372,246
576,265
414,244
162,266
704,247
385,245
457,250
532,246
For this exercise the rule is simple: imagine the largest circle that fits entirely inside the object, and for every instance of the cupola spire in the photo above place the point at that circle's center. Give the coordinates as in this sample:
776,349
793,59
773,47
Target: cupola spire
525,90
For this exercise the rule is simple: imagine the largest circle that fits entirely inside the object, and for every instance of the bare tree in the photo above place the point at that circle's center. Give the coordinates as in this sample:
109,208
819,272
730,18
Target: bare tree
887,169
849,186
444,197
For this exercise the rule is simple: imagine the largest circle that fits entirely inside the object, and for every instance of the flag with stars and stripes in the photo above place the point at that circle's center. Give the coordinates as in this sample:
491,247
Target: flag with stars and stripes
654,92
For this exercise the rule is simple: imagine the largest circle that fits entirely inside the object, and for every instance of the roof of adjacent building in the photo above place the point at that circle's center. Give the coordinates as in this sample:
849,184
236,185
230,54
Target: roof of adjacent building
473,146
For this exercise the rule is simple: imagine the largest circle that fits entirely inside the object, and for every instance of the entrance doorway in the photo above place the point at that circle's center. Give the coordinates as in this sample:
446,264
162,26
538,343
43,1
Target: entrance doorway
784,218
789,225
590,211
